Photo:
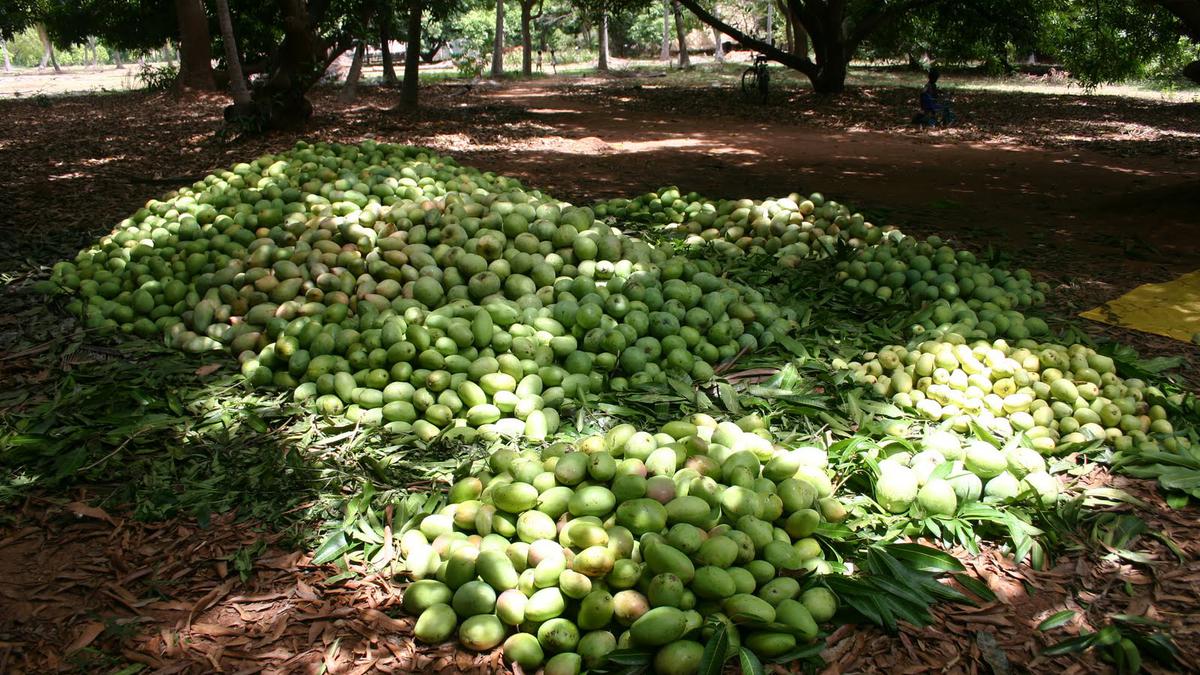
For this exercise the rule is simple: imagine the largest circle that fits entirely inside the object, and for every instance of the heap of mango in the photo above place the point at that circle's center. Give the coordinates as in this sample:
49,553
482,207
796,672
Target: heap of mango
944,475
907,270
791,228
974,320
1057,397
395,286
628,539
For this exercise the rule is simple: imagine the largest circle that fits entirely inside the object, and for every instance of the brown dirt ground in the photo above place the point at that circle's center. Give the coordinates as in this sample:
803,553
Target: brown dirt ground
1095,195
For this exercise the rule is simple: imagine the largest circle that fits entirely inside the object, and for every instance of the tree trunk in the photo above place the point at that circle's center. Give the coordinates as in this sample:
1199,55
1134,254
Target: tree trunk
681,35
385,46
296,65
526,38
350,88
665,55
89,52
770,23
789,35
1192,71
120,65
718,50
498,42
233,62
602,61
825,26
410,90
7,61
47,49
195,60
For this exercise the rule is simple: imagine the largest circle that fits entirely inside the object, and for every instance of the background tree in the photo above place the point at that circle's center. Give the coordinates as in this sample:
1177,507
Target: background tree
498,42
233,61
527,18
685,61
410,90
385,18
836,29
195,46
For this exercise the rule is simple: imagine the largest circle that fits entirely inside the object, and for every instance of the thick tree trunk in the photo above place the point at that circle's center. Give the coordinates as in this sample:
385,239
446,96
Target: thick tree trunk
498,42
7,61
296,65
47,49
1192,71
233,62
602,61
718,50
349,90
526,38
681,35
665,55
410,90
831,46
195,60
385,46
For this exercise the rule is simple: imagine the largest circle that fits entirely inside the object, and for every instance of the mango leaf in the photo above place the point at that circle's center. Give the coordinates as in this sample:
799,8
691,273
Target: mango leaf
975,587
1057,619
1070,646
332,548
750,663
712,662
925,558
630,657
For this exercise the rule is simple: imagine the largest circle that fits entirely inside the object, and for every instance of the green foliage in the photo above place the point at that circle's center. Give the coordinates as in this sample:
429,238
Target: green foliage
1122,642
158,78
1111,40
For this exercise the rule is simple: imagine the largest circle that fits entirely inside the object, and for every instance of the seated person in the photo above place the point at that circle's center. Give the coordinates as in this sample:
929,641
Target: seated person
934,107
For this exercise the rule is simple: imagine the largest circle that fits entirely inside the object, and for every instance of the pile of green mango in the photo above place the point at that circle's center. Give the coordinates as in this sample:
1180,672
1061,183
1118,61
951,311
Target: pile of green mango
395,287
629,539
792,228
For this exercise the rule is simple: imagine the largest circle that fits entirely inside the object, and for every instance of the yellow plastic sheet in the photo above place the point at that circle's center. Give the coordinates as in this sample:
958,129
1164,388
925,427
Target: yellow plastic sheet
1171,309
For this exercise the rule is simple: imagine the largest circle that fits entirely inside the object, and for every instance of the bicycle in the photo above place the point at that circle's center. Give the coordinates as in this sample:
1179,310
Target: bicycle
756,79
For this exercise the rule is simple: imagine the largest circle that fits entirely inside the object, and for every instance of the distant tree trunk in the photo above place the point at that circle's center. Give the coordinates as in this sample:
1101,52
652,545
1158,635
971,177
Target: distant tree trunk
195,60
120,65
681,35
233,62
602,61
1192,71
665,55
385,45
47,49
410,90
718,51
527,36
7,61
296,64
350,88
498,42
770,23
834,37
